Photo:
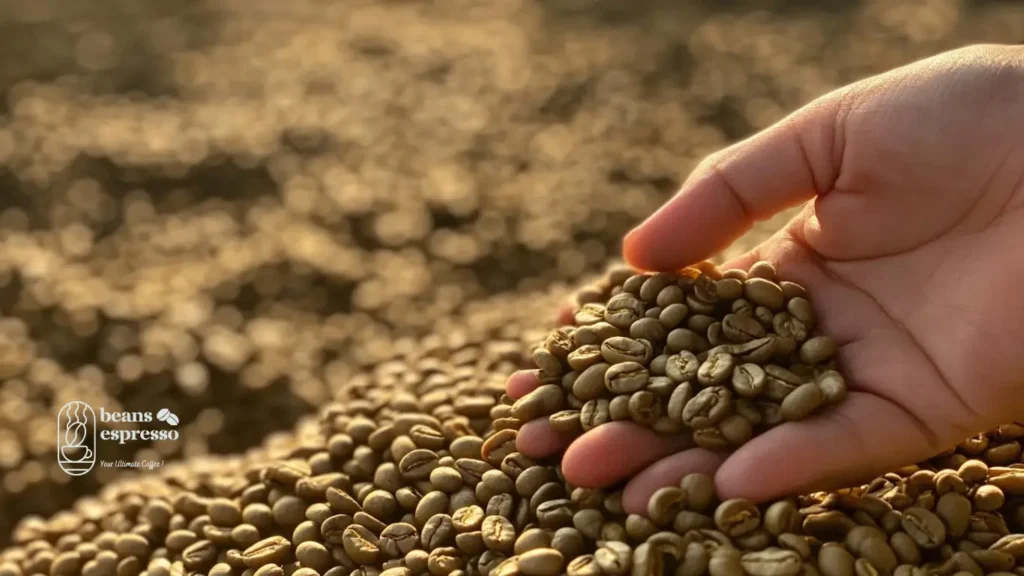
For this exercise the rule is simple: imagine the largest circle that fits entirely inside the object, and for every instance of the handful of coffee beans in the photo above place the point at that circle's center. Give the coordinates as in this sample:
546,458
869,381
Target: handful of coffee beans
724,356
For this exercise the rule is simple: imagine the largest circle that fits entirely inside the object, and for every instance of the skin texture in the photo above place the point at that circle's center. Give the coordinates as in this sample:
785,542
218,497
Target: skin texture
911,245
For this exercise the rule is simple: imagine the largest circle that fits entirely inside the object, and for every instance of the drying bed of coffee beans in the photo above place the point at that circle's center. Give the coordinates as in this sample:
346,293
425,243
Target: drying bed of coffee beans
234,210
407,475
720,355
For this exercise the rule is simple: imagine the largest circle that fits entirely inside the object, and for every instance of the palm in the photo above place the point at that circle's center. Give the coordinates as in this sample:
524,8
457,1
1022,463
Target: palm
919,180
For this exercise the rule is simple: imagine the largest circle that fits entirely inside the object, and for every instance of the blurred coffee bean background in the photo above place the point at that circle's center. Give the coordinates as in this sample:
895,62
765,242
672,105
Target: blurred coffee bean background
231,208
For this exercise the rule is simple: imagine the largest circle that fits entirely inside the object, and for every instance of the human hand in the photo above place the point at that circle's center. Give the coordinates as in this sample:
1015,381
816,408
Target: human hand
912,250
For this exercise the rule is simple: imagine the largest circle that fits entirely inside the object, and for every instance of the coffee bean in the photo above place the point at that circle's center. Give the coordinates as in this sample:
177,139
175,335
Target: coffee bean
621,349
955,511
626,378
569,542
716,369
584,357
566,422
924,527
623,310
772,562
737,517
664,504
585,565
444,561
781,517
614,558
470,543
736,429
313,555
397,540
498,446
269,570
650,328
1012,544
498,533
906,550
738,328
437,532
532,539
199,556
763,292
543,401
709,407
802,402
748,380
589,522
270,550
418,464
594,414
360,544
181,539
445,479
817,350
541,562
555,513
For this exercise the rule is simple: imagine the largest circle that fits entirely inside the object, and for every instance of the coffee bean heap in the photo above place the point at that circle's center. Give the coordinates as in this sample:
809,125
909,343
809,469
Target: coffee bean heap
725,356
410,473
999,447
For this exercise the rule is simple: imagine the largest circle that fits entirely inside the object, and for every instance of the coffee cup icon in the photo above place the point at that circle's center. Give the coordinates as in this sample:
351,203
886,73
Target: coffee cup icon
76,438
76,454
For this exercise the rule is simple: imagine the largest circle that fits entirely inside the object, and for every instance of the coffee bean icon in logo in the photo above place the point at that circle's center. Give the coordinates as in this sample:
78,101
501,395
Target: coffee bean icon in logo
165,415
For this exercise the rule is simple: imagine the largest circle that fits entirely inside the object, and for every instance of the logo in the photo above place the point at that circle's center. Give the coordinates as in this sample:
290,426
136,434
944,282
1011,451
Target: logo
78,435
76,438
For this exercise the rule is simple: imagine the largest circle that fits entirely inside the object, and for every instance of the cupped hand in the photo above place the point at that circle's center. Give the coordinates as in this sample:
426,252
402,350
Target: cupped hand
911,246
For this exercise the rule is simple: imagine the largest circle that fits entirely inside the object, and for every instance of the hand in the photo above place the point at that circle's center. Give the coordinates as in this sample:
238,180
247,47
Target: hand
912,251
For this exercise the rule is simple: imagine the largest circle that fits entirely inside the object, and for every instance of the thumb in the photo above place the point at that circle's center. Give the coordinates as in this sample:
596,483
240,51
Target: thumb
778,168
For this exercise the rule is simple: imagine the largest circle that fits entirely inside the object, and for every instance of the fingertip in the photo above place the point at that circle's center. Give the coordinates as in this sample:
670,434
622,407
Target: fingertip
667,472
521,383
612,452
537,439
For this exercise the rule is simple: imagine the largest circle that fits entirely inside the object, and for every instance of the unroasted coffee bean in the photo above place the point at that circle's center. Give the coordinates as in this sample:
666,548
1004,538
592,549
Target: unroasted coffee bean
437,532
644,408
270,550
781,517
709,407
399,539
589,522
927,529
498,533
555,513
585,565
621,349
664,504
682,367
566,422
802,402
817,350
594,414
418,464
835,560
360,544
542,401
569,542
468,519
199,556
737,517
532,539
614,558
626,378
313,555
541,562
772,562
498,446
444,561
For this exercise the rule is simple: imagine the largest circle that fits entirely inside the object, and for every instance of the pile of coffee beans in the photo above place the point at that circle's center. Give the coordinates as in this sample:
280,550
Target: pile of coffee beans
409,473
723,356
